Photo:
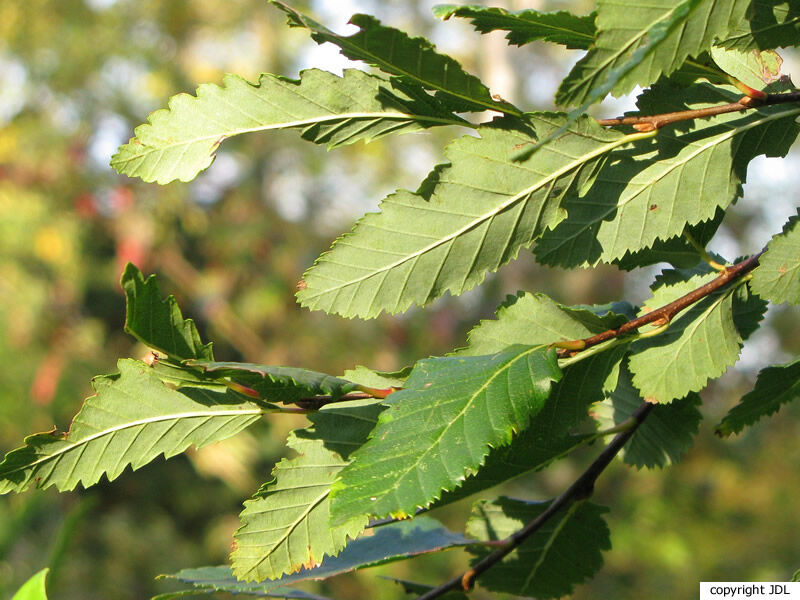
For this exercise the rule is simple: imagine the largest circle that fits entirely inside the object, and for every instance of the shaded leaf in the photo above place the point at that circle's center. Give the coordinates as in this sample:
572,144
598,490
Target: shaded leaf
182,140
654,189
775,386
564,552
440,427
285,527
277,592
158,322
472,216
34,588
777,277
412,587
638,42
278,384
664,437
130,420
533,449
397,541
414,60
748,310
525,26
770,24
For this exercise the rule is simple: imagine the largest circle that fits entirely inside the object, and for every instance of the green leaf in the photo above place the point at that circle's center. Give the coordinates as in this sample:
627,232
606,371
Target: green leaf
397,541
418,589
677,251
278,384
532,319
210,580
34,588
414,60
681,177
440,427
536,319
525,26
182,140
775,386
129,421
285,527
638,42
532,450
158,322
564,552
700,343
770,24
376,379
748,311
664,437
777,278
756,69
471,216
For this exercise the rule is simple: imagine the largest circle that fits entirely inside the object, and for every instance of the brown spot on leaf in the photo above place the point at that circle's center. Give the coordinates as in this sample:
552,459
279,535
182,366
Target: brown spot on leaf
653,206
651,400
301,285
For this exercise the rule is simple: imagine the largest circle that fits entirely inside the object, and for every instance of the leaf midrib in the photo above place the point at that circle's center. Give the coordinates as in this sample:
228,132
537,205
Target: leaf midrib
220,137
434,446
132,424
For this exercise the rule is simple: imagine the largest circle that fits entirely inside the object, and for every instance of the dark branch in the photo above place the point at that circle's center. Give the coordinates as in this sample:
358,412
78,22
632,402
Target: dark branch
581,489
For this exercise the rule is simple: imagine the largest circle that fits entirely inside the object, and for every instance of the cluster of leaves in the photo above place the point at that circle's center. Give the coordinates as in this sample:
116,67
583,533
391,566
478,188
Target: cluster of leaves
532,385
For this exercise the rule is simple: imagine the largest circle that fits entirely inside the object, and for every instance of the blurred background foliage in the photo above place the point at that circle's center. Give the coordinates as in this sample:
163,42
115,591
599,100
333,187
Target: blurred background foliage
76,76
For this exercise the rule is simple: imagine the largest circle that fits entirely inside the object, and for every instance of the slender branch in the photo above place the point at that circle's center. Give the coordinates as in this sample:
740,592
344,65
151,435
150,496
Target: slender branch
653,122
581,489
666,313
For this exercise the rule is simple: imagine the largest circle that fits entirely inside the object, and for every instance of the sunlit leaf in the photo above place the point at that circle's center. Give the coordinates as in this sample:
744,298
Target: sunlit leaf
414,60
566,551
130,420
637,42
777,277
756,69
470,217
158,322
654,189
440,427
664,437
700,343
34,588
525,26
285,527
775,386
181,141
677,251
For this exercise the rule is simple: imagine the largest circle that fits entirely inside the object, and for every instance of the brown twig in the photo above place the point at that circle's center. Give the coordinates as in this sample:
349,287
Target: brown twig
667,312
651,122
581,489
